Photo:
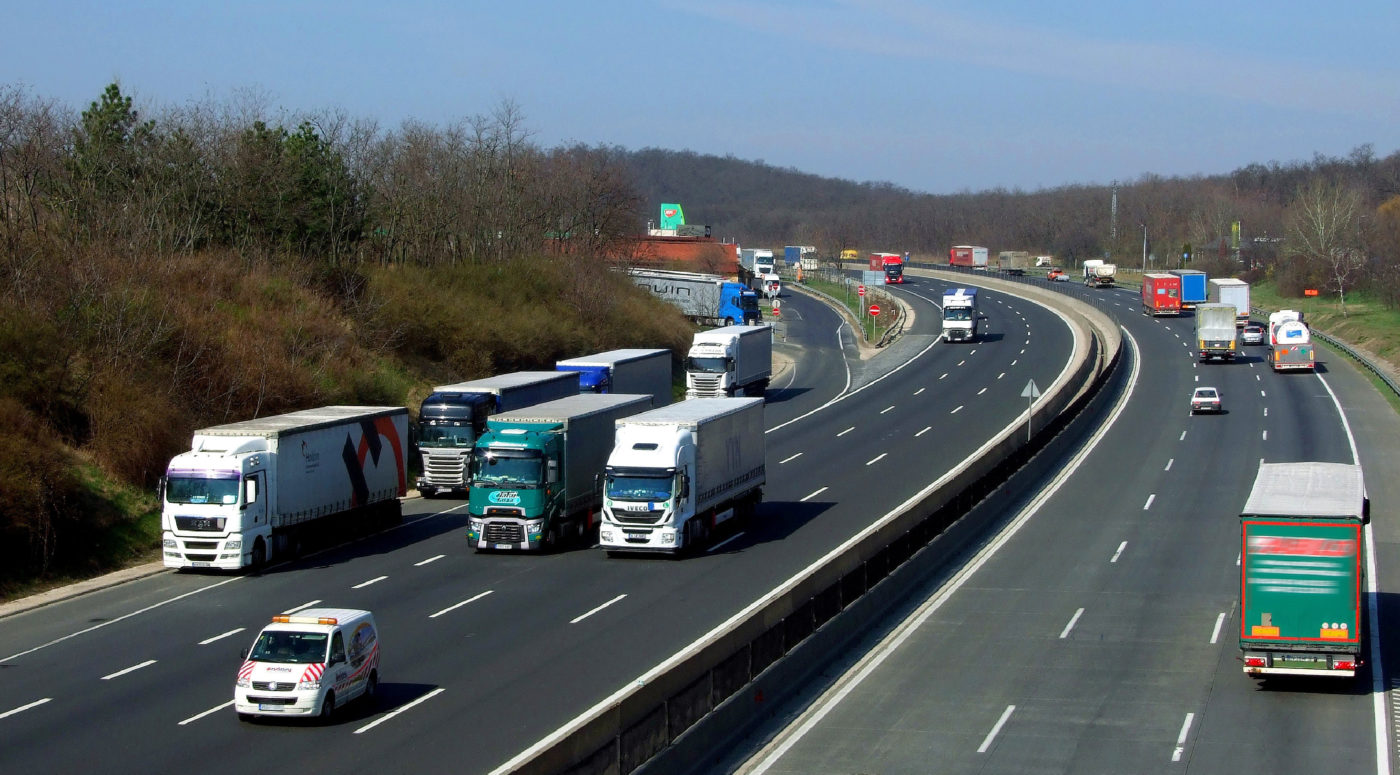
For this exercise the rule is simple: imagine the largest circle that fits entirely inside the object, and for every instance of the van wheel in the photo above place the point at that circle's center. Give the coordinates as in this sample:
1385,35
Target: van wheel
259,555
372,689
327,708
245,717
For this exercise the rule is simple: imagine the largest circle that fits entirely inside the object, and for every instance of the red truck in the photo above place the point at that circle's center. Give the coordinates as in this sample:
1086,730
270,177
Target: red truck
968,255
889,263
1161,294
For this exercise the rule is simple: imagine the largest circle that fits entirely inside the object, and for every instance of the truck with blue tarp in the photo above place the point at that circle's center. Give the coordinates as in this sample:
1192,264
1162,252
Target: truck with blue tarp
646,371
1193,287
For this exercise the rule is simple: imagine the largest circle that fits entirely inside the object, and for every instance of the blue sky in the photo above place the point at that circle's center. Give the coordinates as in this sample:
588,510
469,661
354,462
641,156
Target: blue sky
933,96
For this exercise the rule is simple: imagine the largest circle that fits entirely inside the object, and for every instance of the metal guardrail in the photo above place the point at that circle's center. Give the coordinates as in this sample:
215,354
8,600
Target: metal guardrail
1347,350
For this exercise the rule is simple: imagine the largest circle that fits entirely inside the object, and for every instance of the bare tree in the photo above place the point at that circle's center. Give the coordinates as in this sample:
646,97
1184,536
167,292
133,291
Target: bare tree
1324,227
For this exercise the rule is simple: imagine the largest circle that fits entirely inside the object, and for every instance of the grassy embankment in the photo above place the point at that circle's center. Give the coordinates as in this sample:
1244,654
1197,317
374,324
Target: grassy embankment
872,328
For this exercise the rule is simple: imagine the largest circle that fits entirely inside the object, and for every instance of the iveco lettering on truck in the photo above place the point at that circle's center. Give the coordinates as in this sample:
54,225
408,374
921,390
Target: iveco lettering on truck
246,492
707,299
1290,342
1302,570
1161,294
308,664
1230,290
624,371
1216,336
960,315
729,361
454,415
537,472
677,473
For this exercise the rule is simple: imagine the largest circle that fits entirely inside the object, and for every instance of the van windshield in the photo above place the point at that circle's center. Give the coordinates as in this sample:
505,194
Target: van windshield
293,648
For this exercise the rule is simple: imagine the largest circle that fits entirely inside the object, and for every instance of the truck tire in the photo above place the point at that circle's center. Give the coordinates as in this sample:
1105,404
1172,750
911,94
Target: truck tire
259,558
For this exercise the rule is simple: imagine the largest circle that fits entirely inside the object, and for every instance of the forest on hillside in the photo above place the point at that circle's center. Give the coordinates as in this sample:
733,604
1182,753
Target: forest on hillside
168,269
1326,222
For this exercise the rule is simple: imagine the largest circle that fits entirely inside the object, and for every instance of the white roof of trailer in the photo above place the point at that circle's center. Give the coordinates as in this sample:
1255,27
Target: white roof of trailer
501,381
1307,489
610,357
304,420
693,410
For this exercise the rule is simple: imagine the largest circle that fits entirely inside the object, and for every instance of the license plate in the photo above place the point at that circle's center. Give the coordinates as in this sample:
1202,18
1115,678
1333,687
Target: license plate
505,546
197,564
273,708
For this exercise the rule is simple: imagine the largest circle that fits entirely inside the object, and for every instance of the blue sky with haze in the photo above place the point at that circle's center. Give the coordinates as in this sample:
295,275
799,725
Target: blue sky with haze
933,96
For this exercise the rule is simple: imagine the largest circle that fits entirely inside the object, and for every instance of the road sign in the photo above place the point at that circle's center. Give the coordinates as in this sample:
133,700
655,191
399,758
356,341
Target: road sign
1309,291
1030,393
1031,390
776,304
860,289
875,309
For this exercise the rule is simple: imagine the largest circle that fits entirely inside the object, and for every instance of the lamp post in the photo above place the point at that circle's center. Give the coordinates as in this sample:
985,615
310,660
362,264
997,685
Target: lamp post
1144,247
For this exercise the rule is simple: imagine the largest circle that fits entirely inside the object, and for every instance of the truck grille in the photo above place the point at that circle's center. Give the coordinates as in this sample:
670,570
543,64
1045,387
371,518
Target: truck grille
199,557
636,517
706,385
445,469
200,524
205,545
503,533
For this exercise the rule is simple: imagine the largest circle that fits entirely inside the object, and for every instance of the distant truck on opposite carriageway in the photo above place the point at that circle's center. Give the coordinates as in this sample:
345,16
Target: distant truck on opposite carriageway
537,473
624,371
969,256
1290,342
1303,570
1161,294
1231,290
960,315
247,492
451,418
1216,335
707,299
1014,262
1193,287
679,472
730,361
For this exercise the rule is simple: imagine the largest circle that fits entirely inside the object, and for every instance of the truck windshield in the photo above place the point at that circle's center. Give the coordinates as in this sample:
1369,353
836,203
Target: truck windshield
447,436
957,313
515,468
636,487
293,648
706,365
893,270
191,490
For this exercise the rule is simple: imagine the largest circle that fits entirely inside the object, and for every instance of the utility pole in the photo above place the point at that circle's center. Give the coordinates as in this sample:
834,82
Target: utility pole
1144,248
1112,222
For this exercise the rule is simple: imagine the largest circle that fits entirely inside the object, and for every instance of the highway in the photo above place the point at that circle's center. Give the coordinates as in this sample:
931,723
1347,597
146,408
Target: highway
1098,632
486,653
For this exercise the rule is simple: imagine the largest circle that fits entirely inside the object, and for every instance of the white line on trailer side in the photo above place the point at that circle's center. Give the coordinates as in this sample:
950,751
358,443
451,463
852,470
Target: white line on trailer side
221,636
1181,738
23,708
1119,553
452,608
126,670
398,710
987,742
813,495
581,617
198,716
1072,621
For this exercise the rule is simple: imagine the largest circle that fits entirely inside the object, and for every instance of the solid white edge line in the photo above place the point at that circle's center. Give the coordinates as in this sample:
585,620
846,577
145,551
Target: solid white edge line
131,669
207,641
364,584
813,495
23,708
451,608
790,459
1215,634
1181,738
721,544
430,559
666,664
400,709
581,617
293,610
872,661
987,742
1073,620
1378,690
198,716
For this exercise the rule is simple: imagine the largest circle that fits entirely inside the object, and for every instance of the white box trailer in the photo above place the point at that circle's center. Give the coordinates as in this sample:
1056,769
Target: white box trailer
1231,290
729,361
245,491
678,472
624,371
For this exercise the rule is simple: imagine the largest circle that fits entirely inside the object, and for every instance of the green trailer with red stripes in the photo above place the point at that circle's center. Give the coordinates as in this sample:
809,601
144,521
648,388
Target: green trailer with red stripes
1303,570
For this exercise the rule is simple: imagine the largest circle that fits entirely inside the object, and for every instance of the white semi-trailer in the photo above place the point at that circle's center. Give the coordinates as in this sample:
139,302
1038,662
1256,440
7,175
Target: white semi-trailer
624,371
729,361
678,472
245,491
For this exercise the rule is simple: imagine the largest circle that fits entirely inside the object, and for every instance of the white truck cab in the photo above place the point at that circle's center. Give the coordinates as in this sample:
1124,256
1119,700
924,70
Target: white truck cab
309,663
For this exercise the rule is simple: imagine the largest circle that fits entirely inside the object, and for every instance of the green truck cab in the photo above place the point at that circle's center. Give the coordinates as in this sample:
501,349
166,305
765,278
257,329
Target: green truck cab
536,474
1303,570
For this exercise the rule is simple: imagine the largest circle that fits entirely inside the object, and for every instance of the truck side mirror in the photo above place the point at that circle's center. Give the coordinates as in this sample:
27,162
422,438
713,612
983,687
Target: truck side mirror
250,492
551,474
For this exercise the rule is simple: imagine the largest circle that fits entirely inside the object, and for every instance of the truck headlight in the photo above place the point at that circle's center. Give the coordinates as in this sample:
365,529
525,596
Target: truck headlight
606,535
534,525
234,545
474,525
168,543
668,536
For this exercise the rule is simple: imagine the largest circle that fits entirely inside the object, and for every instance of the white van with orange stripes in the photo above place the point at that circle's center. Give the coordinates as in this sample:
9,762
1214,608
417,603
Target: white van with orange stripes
308,664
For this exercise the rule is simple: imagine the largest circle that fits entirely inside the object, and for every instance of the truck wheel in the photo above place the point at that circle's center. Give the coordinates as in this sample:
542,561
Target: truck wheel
245,717
259,555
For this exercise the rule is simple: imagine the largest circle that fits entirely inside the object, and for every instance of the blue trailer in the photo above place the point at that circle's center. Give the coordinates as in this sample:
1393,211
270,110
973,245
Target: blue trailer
1193,287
